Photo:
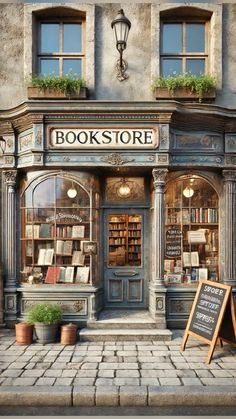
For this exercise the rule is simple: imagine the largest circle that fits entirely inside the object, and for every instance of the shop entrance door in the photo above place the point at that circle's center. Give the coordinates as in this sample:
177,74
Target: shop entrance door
124,268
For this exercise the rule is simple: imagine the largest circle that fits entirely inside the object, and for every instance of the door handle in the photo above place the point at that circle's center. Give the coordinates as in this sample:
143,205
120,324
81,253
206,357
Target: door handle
125,273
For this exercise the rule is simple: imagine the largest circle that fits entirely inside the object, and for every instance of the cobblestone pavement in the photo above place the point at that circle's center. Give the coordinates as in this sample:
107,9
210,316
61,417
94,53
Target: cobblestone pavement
115,373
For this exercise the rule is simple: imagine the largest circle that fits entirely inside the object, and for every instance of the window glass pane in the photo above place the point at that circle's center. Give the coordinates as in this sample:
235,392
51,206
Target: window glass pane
171,67
48,67
43,195
49,41
195,66
72,41
78,196
72,67
195,37
172,38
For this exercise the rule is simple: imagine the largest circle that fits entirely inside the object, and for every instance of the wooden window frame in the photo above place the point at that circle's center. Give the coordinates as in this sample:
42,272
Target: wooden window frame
62,55
183,56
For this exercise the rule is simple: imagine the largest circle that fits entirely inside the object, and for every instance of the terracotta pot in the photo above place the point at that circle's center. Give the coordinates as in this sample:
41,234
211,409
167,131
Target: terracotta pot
69,334
24,333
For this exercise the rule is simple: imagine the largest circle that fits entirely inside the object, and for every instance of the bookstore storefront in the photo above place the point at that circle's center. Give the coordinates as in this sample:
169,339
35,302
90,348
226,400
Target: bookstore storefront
114,215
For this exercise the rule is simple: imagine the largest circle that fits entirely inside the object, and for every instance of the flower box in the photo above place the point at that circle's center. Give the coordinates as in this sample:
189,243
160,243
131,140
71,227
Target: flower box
42,93
182,93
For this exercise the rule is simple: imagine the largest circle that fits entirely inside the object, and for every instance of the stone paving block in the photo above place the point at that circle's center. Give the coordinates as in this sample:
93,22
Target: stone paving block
171,373
204,373
191,381
45,381
33,373
26,381
186,373
11,373
133,396
157,366
107,396
94,353
69,373
129,359
30,366
126,381
83,395
4,365
108,365
23,358
152,373
108,353
83,381
127,353
112,359
18,365
86,373
10,359
178,359
43,365
106,373
149,381
36,396
221,373
64,359
127,373
151,359
59,365
170,381
198,365
65,381
232,372
104,382
77,359
89,366
217,381
93,358
127,366
53,373
7,381
160,353
129,346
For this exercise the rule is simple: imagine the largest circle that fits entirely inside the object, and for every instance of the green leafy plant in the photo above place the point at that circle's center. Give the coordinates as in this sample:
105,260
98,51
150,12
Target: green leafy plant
67,84
45,313
196,84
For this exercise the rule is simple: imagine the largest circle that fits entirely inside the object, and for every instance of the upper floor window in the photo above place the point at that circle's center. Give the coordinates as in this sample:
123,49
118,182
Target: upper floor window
183,48
60,48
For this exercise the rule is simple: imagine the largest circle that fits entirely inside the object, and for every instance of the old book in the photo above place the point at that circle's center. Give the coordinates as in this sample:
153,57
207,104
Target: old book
69,274
78,231
52,275
169,265
45,230
78,258
190,259
62,273
45,256
32,231
64,247
197,236
29,248
202,273
82,274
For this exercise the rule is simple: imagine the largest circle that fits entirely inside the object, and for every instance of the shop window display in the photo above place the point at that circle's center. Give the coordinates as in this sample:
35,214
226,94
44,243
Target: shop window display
191,231
56,226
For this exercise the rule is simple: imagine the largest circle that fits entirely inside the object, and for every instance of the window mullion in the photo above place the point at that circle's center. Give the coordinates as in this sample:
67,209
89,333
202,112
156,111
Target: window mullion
61,50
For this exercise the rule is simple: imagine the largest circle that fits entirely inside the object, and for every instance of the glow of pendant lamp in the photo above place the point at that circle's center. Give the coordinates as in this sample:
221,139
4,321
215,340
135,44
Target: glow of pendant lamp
188,192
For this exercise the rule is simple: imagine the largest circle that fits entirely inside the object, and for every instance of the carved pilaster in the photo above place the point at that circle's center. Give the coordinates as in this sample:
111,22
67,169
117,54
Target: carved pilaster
159,176
230,226
10,226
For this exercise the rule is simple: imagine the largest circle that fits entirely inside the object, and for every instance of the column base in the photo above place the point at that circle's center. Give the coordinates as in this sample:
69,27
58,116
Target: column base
157,304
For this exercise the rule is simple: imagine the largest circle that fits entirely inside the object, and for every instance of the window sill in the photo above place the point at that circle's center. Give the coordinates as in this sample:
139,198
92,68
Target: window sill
39,93
181,93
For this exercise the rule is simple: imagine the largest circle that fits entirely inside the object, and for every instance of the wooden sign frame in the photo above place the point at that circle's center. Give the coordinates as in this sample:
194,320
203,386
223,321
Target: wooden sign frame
228,298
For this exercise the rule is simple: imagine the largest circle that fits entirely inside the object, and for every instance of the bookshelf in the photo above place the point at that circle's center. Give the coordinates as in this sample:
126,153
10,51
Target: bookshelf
125,240
191,232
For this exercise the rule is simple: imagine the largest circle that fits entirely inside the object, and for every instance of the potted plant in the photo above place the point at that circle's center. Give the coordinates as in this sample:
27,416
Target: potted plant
46,319
57,87
185,87
24,333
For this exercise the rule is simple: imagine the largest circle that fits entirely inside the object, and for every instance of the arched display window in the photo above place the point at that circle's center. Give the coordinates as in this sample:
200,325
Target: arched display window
191,231
58,232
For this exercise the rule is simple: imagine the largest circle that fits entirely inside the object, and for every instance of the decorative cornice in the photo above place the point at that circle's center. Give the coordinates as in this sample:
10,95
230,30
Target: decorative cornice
159,176
229,175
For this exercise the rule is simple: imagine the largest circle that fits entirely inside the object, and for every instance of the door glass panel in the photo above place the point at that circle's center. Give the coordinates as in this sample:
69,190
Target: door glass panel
124,240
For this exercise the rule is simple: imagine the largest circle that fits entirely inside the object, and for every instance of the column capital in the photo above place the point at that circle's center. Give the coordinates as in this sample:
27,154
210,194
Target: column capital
159,176
10,178
229,175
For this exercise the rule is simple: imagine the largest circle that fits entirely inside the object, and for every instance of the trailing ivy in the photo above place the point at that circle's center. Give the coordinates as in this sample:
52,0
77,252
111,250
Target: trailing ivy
196,84
66,84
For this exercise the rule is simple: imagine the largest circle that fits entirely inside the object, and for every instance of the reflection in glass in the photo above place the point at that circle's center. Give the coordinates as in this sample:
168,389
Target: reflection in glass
49,37
171,67
195,37
62,199
72,41
172,38
72,67
196,67
43,195
48,67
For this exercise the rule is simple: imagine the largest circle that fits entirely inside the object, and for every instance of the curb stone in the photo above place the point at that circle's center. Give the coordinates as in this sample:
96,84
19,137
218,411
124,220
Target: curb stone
107,396
83,396
35,396
133,396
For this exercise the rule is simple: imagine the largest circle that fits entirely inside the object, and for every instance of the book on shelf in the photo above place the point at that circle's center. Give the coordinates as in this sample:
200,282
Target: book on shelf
66,274
45,256
45,231
64,247
29,248
32,231
78,231
202,273
190,259
169,265
197,236
78,258
52,275
82,274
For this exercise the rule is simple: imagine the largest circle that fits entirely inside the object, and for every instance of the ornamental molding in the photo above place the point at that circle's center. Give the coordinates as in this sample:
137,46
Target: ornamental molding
79,306
103,117
116,159
229,175
230,160
159,176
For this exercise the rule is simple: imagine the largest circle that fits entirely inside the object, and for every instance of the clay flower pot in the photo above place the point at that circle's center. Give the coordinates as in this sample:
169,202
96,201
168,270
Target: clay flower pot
24,333
68,334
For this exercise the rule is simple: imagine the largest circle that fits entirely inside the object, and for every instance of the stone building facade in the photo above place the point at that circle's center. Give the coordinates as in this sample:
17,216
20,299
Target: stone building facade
118,199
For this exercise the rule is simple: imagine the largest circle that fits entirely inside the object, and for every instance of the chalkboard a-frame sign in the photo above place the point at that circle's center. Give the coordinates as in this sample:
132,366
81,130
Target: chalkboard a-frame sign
212,316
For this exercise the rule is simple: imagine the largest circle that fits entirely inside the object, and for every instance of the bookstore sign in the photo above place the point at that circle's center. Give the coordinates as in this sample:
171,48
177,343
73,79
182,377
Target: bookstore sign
103,138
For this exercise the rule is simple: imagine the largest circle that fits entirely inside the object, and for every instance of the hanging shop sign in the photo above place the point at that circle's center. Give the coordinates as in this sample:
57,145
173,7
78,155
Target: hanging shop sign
212,316
103,138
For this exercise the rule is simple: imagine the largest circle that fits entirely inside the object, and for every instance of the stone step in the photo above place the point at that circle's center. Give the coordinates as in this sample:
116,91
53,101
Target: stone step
121,324
113,335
